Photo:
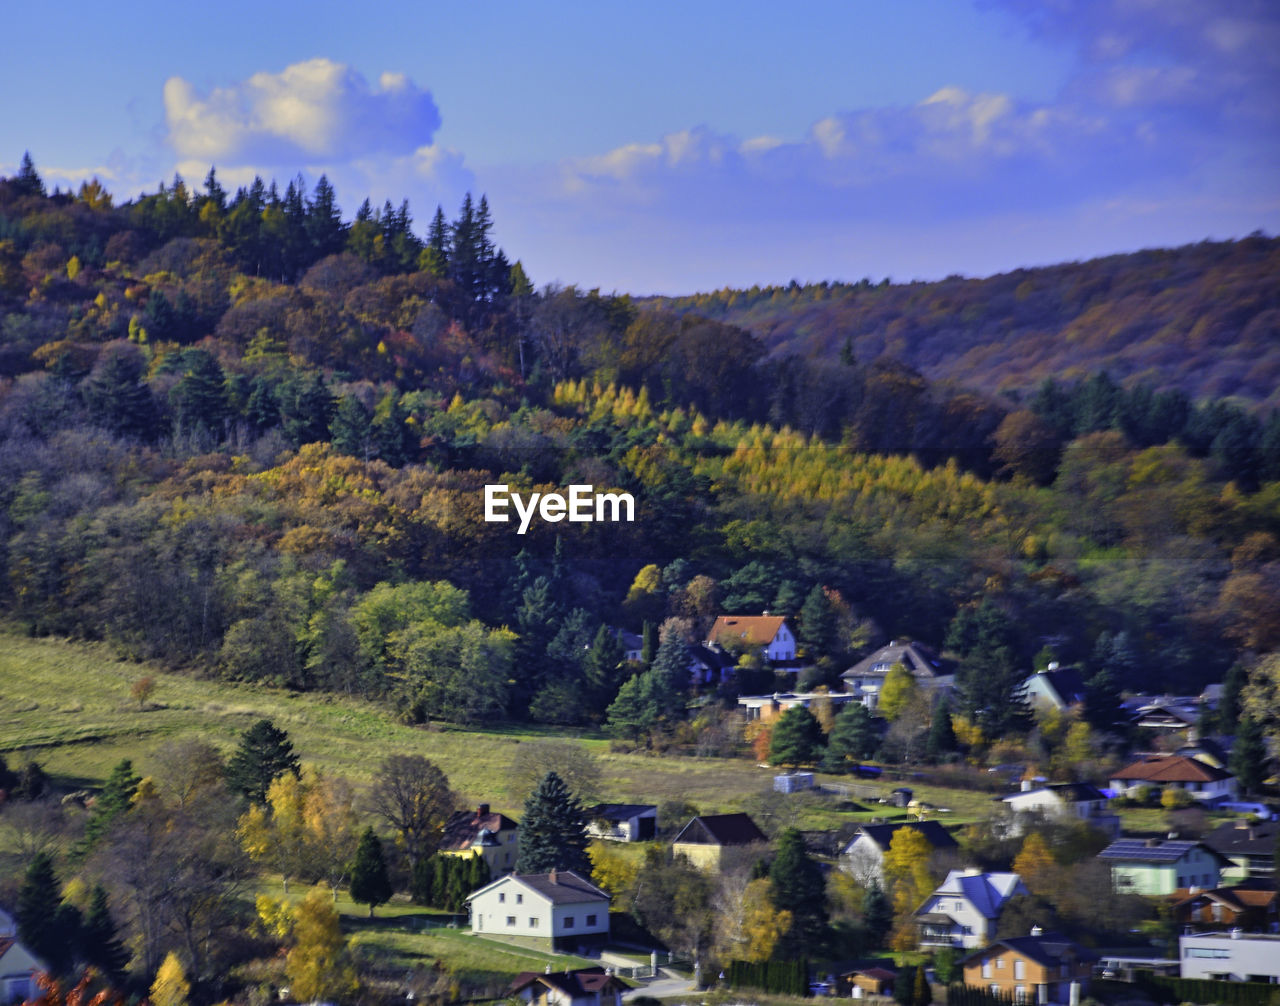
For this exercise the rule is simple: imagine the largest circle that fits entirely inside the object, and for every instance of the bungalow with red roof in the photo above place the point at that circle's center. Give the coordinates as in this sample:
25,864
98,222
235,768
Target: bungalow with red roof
1202,781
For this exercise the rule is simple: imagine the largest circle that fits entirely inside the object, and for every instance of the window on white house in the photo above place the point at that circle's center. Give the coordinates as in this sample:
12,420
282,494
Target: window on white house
1019,970
519,899
533,923
511,920
591,920
501,898
986,970
568,922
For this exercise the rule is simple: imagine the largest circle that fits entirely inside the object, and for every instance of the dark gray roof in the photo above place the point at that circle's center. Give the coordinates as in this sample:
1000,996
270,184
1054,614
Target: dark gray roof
619,811
1066,683
563,887
1240,838
721,829
1154,850
935,834
1050,949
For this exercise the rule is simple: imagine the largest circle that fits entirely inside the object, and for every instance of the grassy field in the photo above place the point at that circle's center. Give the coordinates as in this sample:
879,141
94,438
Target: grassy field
68,705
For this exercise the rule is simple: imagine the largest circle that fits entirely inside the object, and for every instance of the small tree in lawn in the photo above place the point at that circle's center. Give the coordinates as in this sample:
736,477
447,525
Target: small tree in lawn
553,832
143,689
370,884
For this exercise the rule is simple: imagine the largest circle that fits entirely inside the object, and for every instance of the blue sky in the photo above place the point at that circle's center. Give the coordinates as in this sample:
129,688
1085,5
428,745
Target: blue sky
674,147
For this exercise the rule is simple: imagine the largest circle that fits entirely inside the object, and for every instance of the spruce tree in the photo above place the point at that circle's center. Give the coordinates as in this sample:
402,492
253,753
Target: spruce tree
114,801
265,752
1249,755
370,884
852,738
942,736
553,831
99,943
877,915
797,886
797,738
28,182
422,885
45,926
819,626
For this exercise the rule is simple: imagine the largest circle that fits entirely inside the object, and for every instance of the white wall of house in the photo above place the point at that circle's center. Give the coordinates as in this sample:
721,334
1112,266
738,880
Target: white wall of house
782,646
863,860
1219,789
509,908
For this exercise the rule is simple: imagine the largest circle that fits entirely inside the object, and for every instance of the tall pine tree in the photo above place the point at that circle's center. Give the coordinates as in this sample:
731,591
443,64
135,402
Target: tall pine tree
265,752
553,831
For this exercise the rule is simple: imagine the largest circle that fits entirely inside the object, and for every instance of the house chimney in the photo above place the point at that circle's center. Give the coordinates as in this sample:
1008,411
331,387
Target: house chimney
482,810
1037,931
552,877
1026,785
1053,666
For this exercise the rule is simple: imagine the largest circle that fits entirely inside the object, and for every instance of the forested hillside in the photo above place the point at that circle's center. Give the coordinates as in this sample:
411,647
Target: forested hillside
242,434
1203,319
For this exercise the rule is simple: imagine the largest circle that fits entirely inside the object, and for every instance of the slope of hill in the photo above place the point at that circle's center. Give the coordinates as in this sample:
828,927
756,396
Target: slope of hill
1203,318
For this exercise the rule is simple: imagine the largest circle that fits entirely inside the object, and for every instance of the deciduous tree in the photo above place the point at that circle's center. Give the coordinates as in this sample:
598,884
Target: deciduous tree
412,795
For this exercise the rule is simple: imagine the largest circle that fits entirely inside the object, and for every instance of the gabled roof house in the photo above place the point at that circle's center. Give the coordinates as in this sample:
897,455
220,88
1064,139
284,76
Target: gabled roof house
704,840
965,908
770,633
560,908
866,677
1203,781
863,855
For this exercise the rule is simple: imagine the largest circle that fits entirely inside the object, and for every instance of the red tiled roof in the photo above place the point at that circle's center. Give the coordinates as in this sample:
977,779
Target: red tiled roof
1171,768
758,630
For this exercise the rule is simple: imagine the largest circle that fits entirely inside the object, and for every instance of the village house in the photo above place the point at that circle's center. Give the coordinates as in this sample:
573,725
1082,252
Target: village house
559,910
582,987
1064,801
623,822
965,909
866,678
863,857
1055,687
768,707
1249,847
1250,907
1157,866
18,968
1230,957
1037,968
1198,779
770,634
706,840
480,832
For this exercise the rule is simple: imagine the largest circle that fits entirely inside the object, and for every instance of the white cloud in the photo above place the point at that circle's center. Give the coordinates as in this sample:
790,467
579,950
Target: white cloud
311,112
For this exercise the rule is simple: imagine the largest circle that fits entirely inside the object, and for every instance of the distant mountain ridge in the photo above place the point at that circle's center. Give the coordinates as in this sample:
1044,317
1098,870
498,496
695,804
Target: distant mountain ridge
1203,318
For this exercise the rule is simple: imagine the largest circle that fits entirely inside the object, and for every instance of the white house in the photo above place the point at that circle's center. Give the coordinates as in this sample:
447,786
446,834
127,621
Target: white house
1202,781
965,908
1231,956
1055,687
863,856
18,967
866,677
623,822
1064,801
770,633
559,907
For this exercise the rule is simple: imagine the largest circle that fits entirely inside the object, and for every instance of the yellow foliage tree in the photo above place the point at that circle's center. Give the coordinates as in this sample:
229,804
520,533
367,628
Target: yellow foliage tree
277,838
908,875
1035,864
613,870
170,987
897,692
762,924
318,965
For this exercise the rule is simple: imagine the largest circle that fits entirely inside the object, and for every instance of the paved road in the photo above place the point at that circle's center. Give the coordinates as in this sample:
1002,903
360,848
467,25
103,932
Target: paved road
662,987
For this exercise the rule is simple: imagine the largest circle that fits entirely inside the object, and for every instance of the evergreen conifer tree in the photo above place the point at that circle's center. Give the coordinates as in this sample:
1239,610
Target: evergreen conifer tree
45,927
797,738
114,801
99,943
1249,755
797,886
852,739
265,751
553,831
370,884
942,736
28,182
